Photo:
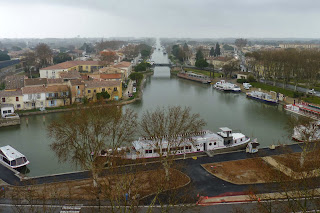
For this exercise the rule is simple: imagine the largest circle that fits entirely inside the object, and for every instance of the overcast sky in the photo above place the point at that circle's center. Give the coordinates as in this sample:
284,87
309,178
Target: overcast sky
160,18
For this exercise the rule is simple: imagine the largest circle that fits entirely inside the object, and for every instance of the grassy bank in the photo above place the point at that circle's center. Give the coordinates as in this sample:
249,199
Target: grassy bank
289,93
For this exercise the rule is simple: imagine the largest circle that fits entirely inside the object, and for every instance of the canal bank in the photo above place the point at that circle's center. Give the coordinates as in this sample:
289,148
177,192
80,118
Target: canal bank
160,89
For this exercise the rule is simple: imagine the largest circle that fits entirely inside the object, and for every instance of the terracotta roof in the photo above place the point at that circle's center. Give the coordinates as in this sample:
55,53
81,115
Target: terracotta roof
4,93
55,81
57,88
69,64
95,83
14,82
33,90
123,64
72,74
110,70
35,81
110,76
76,82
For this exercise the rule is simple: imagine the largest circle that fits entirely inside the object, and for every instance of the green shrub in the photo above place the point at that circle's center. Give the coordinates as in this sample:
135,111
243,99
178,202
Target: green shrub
241,81
251,78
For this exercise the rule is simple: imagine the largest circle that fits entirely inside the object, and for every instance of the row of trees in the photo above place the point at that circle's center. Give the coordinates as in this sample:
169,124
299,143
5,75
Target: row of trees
83,135
215,51
288,65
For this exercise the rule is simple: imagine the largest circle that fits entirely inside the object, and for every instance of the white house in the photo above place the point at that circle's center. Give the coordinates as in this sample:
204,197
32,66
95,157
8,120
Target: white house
34,97
125,66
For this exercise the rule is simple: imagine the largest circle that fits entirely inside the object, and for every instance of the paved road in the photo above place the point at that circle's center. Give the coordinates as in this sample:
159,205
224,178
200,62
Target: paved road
289,86
202,182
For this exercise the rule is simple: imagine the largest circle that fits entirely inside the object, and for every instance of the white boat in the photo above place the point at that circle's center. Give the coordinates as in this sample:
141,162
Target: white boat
226,86
304,109
247,86
261,96
194,77
204,141
12,158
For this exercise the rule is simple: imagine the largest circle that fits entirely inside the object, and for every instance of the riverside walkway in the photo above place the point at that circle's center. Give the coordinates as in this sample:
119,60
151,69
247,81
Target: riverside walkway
204,182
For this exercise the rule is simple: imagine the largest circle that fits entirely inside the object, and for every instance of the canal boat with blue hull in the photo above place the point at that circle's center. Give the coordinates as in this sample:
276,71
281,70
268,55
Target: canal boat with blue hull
263,97
188,144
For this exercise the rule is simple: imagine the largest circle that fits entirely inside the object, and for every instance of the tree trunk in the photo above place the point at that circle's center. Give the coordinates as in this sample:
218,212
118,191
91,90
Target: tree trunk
166,167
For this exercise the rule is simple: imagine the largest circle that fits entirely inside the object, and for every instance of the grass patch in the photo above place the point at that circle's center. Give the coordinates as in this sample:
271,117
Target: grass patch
312,99
276,89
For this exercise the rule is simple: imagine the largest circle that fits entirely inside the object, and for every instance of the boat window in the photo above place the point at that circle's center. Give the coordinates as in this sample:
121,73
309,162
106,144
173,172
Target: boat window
149,151
13,163
6,160
215,143
210,144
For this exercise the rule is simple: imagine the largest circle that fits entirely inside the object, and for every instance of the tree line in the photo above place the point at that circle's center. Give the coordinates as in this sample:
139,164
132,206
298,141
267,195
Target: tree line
287,66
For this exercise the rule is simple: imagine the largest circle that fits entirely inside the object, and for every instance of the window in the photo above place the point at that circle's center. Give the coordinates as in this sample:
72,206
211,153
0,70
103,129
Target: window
103,89
29,96
17,98
149,151
241,139
5,112
215,143
38,96
78,87
86,67
18,105
56,95
94,90
6,160
78,92
89,91
115,89
3,99
33,104
9,111
210,144
52,103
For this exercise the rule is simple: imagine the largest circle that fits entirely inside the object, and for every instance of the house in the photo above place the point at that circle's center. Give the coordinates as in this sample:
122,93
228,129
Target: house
80,66
218,62
125,66
77,90
243,75
114,89
14,82
57,95
34,96
13,97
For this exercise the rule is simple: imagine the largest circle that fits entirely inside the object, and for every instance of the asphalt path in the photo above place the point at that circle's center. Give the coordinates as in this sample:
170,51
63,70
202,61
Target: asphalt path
289,87
202,183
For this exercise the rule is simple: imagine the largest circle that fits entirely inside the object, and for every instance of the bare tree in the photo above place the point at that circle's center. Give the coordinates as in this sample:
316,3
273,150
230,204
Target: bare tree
44,55
80,136
167,128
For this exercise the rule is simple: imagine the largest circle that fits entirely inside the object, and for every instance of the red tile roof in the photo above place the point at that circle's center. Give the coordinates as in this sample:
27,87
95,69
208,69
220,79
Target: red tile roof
57,88
72,74
14,82
55,81
4,93
35,81
123,64
96,83
110,76
33,90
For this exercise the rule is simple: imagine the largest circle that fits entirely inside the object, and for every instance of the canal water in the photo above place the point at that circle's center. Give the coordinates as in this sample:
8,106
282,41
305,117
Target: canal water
255,119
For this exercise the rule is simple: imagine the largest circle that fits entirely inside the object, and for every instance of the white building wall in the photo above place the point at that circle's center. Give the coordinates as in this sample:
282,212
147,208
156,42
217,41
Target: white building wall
51,73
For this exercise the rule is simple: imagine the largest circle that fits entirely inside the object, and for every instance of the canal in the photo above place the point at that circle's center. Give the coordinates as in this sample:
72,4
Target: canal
255,119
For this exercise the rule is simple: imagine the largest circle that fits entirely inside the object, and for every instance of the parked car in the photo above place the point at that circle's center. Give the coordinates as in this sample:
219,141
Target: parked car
130,95
134,89
311,92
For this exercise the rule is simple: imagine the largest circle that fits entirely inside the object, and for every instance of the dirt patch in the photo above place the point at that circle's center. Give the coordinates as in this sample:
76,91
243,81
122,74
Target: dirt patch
292,161
136,185
247,171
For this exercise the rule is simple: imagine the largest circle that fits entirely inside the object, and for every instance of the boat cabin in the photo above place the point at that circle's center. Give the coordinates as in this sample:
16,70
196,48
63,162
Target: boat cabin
6,110
12,158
